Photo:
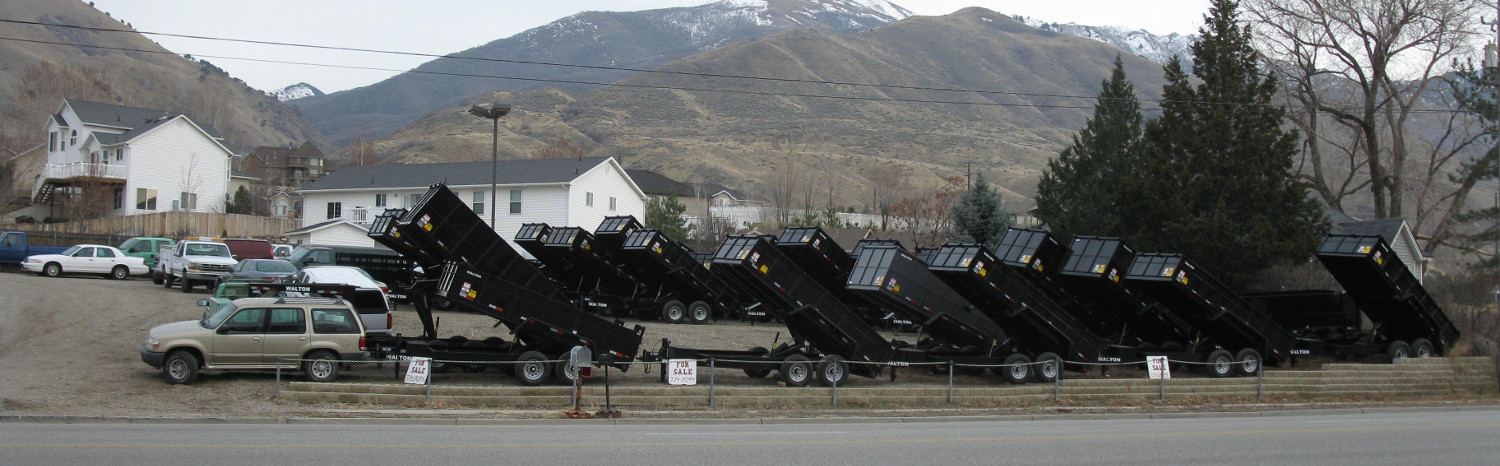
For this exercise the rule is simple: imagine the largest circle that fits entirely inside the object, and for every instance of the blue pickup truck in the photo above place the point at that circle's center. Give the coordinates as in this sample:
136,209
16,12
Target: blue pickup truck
14,248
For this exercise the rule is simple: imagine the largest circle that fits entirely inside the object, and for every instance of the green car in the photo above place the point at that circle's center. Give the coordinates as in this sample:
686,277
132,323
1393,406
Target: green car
225,294
145,247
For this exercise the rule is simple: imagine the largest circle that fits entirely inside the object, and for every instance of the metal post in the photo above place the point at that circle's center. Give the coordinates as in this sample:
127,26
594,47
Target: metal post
835,392
1162,394
950,382
278,378
1057,384
429,382
1260,380
711,367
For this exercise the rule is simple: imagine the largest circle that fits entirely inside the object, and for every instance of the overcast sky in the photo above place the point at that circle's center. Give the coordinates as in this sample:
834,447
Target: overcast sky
446,26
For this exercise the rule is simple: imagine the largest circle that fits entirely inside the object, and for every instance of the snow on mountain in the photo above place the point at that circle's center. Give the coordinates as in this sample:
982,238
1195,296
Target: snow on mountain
1153,47
295,91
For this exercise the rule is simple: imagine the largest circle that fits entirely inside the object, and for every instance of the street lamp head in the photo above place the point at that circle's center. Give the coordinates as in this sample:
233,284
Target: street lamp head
493,113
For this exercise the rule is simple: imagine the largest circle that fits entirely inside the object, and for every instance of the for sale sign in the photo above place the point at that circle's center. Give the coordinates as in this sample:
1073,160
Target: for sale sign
1158,367
418,370
682,372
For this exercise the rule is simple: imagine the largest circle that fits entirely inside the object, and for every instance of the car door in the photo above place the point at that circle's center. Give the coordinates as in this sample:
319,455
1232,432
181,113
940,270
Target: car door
82,260
286,335
105,259
240,339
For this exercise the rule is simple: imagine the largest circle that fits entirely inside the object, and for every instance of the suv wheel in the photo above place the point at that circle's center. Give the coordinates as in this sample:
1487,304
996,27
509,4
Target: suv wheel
180,368
321,366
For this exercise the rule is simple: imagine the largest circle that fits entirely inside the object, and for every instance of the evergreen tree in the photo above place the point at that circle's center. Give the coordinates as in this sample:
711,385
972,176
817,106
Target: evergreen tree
242,204
1478,92
664,213
978,217
1078,189
1218,183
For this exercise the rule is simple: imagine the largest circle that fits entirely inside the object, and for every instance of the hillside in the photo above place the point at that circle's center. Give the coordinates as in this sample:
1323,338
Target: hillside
639,39
756,130
41,65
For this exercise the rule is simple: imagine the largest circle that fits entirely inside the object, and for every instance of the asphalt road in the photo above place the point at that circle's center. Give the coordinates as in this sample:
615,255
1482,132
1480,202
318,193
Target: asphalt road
1416,437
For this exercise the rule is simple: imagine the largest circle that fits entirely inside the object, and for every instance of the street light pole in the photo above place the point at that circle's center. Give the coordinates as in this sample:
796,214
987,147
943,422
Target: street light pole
493,113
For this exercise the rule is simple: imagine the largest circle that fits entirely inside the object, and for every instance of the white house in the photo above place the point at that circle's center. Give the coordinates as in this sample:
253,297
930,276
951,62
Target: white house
148,160
560,192
339,232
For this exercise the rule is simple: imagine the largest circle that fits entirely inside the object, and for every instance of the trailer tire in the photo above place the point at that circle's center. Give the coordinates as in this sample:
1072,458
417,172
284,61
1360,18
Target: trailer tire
1247,362
320,366
833,370
1017,369
796,371
673,312
1220,364
565,373
1421,348
758,372
698,313
1049,366
531,369
1398,350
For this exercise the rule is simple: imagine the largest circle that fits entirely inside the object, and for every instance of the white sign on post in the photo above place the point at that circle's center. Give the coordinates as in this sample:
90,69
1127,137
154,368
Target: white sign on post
1158,367
682,372
418,370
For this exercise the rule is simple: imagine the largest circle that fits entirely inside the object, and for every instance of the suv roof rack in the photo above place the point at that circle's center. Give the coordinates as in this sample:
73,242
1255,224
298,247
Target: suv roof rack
308,300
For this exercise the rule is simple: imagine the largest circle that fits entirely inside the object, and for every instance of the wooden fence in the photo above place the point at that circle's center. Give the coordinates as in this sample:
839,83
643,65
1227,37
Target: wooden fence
168,225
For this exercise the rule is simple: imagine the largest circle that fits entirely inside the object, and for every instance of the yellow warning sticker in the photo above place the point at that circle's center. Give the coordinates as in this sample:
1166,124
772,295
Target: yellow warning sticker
764,269
1099,268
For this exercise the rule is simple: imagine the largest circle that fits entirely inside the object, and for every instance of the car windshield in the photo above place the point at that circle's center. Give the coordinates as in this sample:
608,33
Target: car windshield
70,251
202,249
275,266
218,316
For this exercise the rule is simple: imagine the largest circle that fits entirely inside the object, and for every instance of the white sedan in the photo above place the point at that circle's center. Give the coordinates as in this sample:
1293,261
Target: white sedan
87,258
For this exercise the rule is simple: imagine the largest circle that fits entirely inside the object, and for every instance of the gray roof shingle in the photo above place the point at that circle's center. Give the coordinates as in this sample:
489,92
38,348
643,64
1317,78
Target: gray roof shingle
657,184
530,171
137,119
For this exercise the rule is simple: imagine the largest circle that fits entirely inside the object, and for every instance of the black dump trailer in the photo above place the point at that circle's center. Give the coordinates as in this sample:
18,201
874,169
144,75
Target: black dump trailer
1092,274
960,332
823,329
686,289
1239,338
1404,317
453,245
1042,329
585,269
817,254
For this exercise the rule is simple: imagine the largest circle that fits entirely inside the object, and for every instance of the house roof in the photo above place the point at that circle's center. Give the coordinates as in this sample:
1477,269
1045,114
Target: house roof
1389,228
320,226
656,183
529,171
132,119
276,155
239,174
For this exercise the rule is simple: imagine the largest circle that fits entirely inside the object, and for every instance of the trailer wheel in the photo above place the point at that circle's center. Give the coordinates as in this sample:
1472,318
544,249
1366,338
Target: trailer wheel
1398,350
759,372
530,368
1247,362
565,373
1421,348
1017,368
699,313
1220,364
1049,365
833,370
673,312
796,371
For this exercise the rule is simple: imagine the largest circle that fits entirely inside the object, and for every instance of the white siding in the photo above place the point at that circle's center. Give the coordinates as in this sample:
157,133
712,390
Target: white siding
605,180
173,158
337,235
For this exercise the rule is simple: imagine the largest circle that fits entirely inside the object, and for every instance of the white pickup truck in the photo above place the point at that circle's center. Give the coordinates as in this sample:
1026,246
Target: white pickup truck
194,261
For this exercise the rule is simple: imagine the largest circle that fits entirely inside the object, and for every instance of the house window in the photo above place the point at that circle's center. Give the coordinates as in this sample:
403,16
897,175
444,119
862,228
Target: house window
73,139
411,200
360,214
119,154
588,199
379,200
52,142
145,199
119,198
335,209
611,203
515,201
281,207
188,201
479,202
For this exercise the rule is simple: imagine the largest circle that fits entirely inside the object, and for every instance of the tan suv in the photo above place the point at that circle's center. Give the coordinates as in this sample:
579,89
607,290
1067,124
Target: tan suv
254,333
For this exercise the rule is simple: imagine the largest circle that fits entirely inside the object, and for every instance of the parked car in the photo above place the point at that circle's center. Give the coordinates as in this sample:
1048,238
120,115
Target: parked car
256,333
248,248
370,300
145,247
89,259
383,264
15,247
257,270
282,251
